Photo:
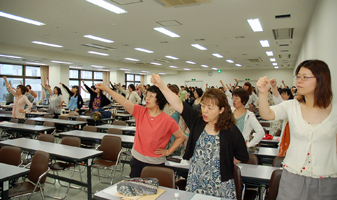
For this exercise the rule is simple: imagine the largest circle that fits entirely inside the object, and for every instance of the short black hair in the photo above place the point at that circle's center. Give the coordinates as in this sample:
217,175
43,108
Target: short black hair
243,94
161,100
30,87
287,91
132,86
199,92
93,87
59,92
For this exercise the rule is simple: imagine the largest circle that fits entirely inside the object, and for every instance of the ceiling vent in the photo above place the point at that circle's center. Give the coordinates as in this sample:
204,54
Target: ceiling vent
175,3
97,46
255,60
126,2
163,60
240,37
282,16
283,33
145,64
284,56
284,43
284,50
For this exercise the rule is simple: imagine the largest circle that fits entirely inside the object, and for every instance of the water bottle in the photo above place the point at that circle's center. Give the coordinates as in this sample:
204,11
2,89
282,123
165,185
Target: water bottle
176,196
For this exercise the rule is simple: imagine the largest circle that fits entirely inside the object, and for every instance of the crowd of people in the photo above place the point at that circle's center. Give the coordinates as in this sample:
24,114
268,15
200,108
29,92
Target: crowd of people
212,127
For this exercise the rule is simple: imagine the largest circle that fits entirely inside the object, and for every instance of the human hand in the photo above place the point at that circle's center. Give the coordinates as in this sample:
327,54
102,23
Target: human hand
236,80
221,81
22,111
101,86
273,82
162,152
61,83
263,84
156,80
83,82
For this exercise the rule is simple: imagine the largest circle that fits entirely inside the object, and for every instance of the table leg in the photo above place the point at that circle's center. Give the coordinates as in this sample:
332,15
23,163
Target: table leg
89,185
4,190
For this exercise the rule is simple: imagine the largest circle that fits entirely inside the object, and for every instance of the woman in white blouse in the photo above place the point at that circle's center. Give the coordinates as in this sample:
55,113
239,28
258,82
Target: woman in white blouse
310,166
130,94
56,100
253,99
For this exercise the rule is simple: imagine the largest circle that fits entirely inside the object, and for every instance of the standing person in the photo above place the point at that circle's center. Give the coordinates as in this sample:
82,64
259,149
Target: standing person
310,165
9,96
56,100
97,98
195,103
75,99
253,99
47,94
153,130
183,93
29,89
215,144
130,94
20,100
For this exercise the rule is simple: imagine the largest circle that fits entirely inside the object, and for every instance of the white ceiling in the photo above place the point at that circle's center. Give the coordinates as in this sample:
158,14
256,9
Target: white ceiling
217,23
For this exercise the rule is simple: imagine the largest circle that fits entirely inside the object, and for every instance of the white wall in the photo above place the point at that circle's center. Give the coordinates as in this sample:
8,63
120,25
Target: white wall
228,76
320,41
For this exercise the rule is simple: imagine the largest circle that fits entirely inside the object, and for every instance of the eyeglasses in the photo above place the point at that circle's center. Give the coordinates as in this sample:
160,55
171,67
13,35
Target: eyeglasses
303,78
151,96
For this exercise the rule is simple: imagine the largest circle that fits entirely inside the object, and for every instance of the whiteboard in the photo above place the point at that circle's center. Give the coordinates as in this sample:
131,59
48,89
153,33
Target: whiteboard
199,84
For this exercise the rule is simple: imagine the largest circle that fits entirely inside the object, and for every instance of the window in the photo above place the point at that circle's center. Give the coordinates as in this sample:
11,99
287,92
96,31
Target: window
90,77
98,75
28,75
73,73
134,79
86,75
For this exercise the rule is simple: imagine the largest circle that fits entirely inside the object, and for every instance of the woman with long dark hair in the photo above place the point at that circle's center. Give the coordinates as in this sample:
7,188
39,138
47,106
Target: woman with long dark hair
75,99
97,98
56,99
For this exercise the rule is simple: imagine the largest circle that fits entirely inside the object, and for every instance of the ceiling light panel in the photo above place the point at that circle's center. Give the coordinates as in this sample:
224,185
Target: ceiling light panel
47,44
172,57
98,38
98,53
217,55
108,6
33,63
173,67
264,43
74,67
204,65
187,69
272,59
21,19
97,66
269,53
274,64
161,73
124,69
166,32
198,46
190,62
214,68
238,65
154,63
61,62
9,56
230,61
255,25
144,50
131,59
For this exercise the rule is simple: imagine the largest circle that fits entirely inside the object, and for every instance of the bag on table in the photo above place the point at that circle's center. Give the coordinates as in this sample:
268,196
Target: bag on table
138,186
100,114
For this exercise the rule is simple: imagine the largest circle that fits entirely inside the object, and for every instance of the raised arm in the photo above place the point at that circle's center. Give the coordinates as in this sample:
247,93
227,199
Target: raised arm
120,88
86,91
8,85
223,85
128,105
89,90
285,86
236,82
47,88
263,84
67,89
172,98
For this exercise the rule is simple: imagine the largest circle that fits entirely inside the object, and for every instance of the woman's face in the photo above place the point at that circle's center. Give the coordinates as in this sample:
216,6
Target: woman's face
151,100
210,111
285,96
73,90
28,88
196,94
98,90
55,91
305,87
129,88
246,87
18,91
237,102
293,89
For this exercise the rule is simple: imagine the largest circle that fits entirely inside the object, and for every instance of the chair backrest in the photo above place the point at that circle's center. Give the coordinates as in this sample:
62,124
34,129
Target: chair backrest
238,182
10,155
47,138
265,124
253,160
52,124
40,110
39,165
51,111
165,175
90,128
278,133
63,117
28,121
274,184
111,146
49,116
115,131
14,120
122,123
71,141
81,119
277,162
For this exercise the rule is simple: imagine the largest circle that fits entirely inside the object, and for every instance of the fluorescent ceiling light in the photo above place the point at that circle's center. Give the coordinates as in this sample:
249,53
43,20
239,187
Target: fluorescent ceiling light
264,43
98,38
9,56
190,62
97,66
61,62
198,46
172,57
127,72
161,73
142,73
255,25
144,50
166,32
146,71
230,61
217,55
269,53
272,59
106,70
98,53
33,63
276,67
238,65
124,69
132,59
47,44
187,69
173,66
274,64
21,19
214,68
74,67
108,6
204,65
154,63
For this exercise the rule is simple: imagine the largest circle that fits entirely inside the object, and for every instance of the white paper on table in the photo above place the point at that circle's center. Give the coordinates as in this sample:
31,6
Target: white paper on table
111,190
203,197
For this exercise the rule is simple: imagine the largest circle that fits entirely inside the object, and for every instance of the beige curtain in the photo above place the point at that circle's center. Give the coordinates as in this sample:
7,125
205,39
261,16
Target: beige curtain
44,79
106,78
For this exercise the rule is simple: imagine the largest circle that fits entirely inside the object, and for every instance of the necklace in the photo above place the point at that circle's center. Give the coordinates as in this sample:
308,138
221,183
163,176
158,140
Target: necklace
154,116
211,128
